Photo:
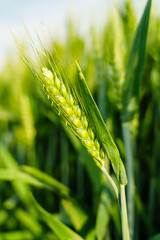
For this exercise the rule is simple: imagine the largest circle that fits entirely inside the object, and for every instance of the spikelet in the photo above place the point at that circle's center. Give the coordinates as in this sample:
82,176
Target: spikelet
69,109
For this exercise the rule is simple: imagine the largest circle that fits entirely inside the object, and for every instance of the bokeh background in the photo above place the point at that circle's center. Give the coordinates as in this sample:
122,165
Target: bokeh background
55,15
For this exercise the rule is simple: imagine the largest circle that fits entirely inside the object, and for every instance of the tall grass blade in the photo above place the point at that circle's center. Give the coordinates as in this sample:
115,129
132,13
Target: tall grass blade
60,229
8,161
130,102
75,213
104,212
135,67
100,128
28,222
64,192
18,235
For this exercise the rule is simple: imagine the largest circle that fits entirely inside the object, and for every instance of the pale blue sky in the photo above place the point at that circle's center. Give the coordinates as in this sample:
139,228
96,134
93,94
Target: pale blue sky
54,14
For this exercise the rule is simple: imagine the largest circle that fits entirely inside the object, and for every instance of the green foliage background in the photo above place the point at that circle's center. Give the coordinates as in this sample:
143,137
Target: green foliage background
40,157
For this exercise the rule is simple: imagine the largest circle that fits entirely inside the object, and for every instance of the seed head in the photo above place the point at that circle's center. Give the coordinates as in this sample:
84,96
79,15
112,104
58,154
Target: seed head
69,109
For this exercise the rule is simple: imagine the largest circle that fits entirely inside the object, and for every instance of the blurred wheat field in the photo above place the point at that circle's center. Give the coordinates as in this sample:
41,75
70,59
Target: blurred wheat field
40,157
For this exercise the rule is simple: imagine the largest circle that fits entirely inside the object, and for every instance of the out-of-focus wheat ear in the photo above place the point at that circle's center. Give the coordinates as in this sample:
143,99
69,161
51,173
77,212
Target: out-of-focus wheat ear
117,60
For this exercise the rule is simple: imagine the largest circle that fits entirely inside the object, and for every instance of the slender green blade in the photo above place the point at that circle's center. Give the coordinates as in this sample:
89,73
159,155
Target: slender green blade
86,100
28,222
61,230
75,213
70,203
135,67
9,162
103,213
47,180
15,175
41,180
90,235
18,235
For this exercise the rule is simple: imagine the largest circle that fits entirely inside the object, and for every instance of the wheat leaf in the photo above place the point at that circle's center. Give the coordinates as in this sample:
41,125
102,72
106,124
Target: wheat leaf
135,67
97,123
61,230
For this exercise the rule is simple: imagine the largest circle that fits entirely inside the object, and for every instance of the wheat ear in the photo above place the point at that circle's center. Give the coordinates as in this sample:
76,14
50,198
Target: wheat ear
70,110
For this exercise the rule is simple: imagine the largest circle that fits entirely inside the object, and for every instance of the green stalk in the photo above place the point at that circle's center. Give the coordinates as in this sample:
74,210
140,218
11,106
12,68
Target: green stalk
125,227
110,180
130,175
124,215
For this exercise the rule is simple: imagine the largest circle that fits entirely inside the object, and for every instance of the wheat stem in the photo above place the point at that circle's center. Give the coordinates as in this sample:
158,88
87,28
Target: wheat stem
111,181
124,216
130,175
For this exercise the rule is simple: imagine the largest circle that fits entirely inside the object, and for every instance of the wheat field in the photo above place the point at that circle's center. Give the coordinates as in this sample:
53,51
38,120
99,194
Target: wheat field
79,128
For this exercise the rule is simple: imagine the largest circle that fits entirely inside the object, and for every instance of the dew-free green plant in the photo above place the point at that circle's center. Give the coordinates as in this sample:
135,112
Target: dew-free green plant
74,104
